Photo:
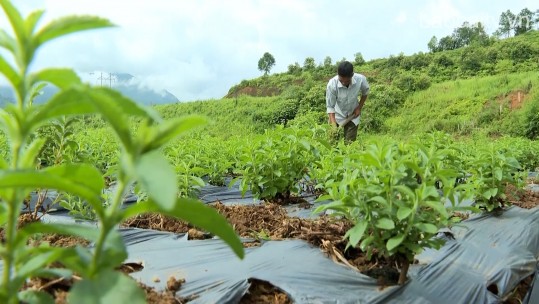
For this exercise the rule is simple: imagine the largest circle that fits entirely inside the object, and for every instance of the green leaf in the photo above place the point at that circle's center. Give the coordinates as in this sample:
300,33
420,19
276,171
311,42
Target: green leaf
29,157
170,129
366,242
82,180
498,173
108,287
82,99
16,20
403,213
356,233
394,242
9,72
37,261
199,215
157,177
7,42
32,296
427,227
67,25
62,78
73,101
490,193
436,206
385,223
378,199
405,190
114,251
31,21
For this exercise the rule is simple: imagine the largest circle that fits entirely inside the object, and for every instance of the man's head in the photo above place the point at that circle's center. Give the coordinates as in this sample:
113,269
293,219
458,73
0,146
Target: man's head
345,72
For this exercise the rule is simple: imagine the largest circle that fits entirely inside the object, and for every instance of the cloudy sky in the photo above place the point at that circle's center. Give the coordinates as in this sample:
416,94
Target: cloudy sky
199,49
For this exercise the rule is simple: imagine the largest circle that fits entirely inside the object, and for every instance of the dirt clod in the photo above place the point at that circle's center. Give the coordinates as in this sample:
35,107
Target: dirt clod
174,284
264,292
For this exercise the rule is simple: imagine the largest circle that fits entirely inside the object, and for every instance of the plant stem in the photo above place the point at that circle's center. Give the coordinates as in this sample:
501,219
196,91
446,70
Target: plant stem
106,225
9,258
404,270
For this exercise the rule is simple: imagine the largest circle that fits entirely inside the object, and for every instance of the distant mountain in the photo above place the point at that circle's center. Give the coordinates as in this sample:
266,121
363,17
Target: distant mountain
123,82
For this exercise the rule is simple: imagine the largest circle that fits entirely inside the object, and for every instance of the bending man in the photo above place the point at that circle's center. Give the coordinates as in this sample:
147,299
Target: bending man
343,100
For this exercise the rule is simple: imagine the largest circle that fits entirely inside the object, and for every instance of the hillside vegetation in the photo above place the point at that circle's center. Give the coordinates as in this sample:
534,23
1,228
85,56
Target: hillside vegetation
489,88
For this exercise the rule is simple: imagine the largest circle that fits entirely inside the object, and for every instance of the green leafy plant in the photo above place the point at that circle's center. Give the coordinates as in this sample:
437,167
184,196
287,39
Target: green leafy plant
491,172
77,207
140,160
273,168
390,194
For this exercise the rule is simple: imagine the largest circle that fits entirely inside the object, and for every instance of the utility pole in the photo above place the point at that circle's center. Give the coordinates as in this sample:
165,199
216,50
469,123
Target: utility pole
110,78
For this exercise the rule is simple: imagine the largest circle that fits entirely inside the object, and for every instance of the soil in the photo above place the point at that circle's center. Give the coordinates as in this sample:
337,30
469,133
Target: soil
523,198
264,292
514,99
291,200
59,289
519,293
270,221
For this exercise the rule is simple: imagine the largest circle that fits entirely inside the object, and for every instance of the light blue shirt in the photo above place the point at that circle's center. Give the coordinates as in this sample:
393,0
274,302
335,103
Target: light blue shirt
343,100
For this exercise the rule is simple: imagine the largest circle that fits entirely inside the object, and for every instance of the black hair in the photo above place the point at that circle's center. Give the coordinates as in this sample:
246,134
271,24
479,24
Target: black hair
345,69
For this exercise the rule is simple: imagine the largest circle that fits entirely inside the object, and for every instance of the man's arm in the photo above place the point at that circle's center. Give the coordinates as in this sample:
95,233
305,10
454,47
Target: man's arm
364,89
358,109
332,120
331,101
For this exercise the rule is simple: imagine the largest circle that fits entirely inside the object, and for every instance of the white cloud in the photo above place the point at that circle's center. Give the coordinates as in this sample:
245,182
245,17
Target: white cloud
402,17
199,49
440,14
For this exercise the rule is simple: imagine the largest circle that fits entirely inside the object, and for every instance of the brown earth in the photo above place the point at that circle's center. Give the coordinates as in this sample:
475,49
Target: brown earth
270,221
523,198
514,99
264,292
59,289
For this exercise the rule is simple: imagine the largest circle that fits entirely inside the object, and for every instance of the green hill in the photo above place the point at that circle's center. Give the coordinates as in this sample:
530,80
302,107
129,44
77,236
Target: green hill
489,88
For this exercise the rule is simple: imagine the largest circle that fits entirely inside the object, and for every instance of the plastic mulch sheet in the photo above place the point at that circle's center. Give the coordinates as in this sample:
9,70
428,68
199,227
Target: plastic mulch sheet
214,274
483,260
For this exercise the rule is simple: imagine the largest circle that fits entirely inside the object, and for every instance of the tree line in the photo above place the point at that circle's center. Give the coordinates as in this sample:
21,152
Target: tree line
510,24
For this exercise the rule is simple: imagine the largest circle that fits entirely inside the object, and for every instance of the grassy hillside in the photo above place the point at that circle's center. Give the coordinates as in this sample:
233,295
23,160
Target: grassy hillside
409,94
497,104
471,89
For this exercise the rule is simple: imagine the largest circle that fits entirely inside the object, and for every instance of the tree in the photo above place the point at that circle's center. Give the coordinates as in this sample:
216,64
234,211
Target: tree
433,44
294,68
309,64
524,21
507,20
327,62
266,63
470,33
446,43
358,59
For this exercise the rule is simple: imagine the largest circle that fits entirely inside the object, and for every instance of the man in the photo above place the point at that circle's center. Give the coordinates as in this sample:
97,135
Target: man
342,95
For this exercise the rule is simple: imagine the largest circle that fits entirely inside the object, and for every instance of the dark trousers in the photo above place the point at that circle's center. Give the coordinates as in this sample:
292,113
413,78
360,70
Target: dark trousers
350,132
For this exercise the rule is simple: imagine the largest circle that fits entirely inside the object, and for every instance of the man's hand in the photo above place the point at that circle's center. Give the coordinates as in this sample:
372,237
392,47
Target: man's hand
357,112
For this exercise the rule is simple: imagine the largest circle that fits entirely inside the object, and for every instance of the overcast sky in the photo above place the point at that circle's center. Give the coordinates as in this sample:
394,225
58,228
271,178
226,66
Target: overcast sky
199,49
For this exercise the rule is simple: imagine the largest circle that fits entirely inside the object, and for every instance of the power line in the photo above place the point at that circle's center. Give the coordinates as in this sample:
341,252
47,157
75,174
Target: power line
111,77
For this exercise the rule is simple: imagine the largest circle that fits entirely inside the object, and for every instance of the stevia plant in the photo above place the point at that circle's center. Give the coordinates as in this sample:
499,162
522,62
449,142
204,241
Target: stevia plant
491,172
140,160
390,194
273,167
